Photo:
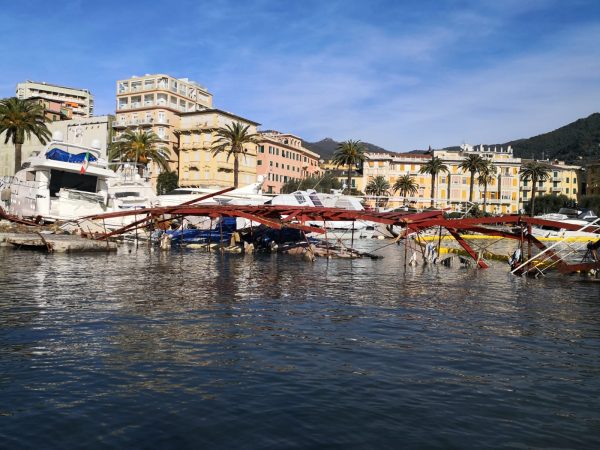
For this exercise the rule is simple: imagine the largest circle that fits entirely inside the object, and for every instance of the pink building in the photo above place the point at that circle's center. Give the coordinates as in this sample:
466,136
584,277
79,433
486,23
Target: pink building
282,158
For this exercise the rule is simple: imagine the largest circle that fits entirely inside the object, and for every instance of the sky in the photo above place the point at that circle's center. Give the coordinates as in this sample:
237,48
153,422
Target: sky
403,74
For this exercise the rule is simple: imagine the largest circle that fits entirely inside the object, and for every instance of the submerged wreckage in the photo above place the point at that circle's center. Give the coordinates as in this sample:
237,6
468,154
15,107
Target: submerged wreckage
247,228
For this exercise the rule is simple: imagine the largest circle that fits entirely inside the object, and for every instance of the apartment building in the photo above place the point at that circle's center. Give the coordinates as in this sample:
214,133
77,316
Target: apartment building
197,164
563,179
55,110
157,102
452,187
84,131
282,158
80,101
502,192
392,167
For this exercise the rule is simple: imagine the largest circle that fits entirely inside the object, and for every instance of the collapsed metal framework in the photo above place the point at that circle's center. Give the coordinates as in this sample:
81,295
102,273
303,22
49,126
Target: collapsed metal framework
514,227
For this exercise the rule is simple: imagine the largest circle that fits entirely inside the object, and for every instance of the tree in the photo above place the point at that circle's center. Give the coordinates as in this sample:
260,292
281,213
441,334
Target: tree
406,185
20,119
378,187
432,167
534,171
325,183
166,182
231,140
139,147
349,153
487,174
551,203
472,163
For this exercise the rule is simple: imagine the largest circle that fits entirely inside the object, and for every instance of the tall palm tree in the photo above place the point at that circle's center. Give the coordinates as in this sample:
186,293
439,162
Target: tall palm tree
432,167
349,153
231,140
378,187
534,171
140,147
20,119
472,163
406,185
487,174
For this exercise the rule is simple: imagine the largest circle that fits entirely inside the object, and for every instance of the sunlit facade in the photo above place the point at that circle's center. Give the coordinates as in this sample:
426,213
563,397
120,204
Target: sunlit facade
197,165
282,158
156,103
563,179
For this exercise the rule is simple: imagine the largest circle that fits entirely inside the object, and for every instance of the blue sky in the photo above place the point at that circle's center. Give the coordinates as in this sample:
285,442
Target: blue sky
399,74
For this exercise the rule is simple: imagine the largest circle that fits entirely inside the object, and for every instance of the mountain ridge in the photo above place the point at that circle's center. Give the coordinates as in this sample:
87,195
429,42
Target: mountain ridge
576,141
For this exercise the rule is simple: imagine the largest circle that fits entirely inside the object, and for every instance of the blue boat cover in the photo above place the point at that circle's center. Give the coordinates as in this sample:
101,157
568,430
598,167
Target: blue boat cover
60,155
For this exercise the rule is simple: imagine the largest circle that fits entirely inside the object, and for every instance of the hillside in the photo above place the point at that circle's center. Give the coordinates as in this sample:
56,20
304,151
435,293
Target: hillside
573,142
327,147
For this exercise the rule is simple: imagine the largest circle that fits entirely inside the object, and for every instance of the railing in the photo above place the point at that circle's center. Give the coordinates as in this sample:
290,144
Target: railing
549,252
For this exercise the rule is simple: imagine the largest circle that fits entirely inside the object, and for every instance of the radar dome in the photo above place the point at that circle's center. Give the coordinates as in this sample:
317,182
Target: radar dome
57,136
96,144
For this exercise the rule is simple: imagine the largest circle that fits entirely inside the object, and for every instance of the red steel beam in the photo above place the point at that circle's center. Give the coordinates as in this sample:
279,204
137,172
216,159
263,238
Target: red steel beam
467,248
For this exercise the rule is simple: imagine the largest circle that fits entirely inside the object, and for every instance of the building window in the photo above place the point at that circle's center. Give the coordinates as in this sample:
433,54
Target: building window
259,163
567,190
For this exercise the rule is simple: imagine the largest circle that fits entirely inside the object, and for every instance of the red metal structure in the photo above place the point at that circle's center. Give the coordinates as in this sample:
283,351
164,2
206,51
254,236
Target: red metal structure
278,217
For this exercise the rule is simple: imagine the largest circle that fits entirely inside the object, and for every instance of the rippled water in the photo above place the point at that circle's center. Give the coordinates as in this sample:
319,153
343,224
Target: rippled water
189,350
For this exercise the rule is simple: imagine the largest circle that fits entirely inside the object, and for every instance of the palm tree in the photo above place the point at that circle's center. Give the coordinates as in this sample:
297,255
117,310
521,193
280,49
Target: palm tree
139,147
231,140
472,163
20,119
432,167
378,187
487,174
349,153
406,185
534,171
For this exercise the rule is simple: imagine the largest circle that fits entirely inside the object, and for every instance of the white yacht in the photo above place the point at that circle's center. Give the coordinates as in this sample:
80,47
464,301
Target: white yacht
69,181
586,219
340,228
246,195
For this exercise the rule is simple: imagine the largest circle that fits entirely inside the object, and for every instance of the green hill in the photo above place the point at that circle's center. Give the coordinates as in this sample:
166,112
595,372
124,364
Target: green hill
574,142
327,147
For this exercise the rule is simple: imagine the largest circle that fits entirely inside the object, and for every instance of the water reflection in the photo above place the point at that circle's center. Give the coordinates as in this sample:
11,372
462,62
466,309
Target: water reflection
348,351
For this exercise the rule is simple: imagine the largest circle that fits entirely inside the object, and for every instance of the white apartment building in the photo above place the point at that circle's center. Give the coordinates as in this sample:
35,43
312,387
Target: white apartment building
81,101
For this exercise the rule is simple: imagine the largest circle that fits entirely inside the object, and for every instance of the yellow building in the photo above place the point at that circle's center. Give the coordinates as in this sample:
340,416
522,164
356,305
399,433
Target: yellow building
452,187
197,165
156,103
392,167
563,180
341,173
502,192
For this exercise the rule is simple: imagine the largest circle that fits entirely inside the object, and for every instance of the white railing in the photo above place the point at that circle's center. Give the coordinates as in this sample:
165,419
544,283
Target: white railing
570,251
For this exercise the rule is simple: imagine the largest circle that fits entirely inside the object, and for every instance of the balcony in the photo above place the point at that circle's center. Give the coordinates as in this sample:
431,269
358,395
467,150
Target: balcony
525,188
119,124
556,189
162,121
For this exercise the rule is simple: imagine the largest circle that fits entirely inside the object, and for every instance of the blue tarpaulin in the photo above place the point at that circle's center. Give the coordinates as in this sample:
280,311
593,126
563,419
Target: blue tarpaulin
60,155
